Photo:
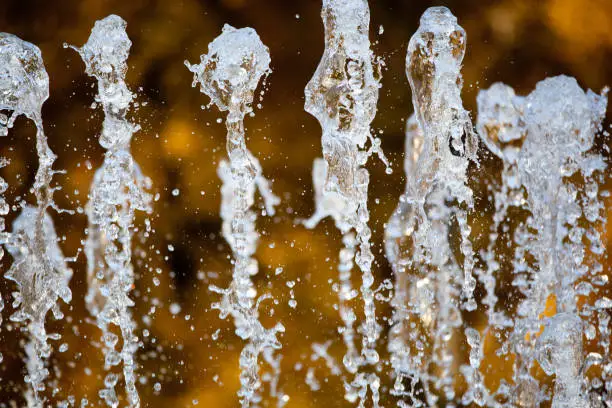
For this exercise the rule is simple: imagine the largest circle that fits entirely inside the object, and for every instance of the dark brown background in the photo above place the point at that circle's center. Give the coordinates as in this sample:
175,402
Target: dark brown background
515,41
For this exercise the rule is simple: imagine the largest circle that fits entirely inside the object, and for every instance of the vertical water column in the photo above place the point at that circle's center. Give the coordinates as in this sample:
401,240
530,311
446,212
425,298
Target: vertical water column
561,121
5,85
229,74
118,190
39,268
501,126
4,236
433,64
333,204
342,95
413,298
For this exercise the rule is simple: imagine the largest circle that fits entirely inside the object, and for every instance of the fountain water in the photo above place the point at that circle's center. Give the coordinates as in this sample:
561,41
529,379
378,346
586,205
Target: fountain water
542,140
437,195
550,173
39,268
229,74
333,204
561,122
342,95
118,190
501,127
413,300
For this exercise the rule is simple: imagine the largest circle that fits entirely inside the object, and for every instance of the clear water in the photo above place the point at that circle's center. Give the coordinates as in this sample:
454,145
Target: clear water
550,172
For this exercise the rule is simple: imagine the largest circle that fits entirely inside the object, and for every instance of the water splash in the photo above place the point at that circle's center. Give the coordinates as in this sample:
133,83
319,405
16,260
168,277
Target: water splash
4,236
335,205
342,95
441,194
477,391
118,190
561,121
39,267
501,126
551,174
413,299
229,75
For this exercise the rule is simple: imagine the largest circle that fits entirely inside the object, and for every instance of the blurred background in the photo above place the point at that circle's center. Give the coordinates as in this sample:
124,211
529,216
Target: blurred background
189,356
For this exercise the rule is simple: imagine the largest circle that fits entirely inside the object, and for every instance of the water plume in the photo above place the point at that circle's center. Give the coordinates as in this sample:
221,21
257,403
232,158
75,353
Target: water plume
441,195
561,121
542,308
39,268
118,190
229,74
342,95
